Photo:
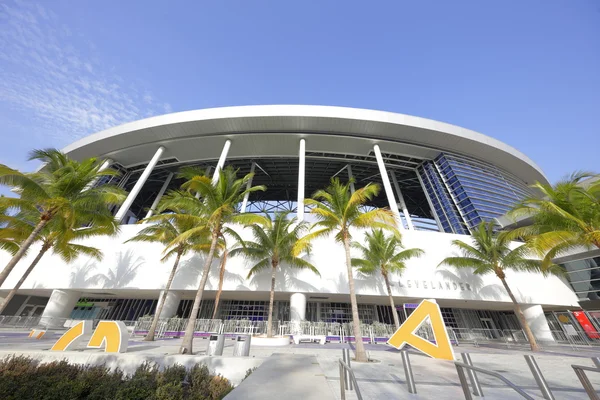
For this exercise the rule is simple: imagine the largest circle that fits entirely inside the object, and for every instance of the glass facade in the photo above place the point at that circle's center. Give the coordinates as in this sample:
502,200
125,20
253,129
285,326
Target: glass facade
465,192
584,277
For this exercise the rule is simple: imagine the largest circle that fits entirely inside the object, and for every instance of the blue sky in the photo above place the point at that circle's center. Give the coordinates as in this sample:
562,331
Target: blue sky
524,72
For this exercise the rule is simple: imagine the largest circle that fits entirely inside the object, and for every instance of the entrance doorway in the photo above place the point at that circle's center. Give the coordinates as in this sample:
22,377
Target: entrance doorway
490,327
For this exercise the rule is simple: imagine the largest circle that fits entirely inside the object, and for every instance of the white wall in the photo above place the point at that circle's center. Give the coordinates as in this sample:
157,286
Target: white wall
138,266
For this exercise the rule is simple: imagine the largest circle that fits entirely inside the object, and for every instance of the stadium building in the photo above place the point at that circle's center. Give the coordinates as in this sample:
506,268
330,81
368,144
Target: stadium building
439,179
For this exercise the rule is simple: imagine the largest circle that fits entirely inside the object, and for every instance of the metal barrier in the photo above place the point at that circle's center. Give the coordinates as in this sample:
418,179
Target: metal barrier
410,380
539,378
460,367
585,381
346,358
344,368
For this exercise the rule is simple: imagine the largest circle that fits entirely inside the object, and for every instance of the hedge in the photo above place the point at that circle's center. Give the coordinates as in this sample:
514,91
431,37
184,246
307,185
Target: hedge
26,378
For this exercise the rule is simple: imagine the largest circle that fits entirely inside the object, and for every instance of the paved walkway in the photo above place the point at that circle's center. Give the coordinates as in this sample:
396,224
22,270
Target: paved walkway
285,376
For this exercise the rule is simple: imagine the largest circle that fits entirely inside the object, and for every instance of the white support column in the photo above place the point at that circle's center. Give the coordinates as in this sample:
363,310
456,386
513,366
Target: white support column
221,162
534,315
350,176
402,202
159,196
171,304
387,186
59,308
301,168
138,185
248,186
297,307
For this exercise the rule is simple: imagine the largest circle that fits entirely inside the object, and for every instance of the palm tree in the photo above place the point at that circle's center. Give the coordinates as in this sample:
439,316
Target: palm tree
565,216
221,245
216,204
275,242
164,229
61,239
62,188
491,253
382,254
338,210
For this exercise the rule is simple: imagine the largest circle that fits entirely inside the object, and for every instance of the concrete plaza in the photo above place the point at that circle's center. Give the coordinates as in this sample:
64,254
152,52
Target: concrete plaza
311,371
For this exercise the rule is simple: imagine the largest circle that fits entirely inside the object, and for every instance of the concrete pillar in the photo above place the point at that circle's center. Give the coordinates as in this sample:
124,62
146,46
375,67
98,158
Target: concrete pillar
388,187
221,161
171,304
159,196
138,185
350,176
534,315
248,186
59,307
402,202
298,307
301,168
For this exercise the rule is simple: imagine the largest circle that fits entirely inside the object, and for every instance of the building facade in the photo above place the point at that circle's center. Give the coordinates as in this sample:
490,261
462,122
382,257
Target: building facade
438,179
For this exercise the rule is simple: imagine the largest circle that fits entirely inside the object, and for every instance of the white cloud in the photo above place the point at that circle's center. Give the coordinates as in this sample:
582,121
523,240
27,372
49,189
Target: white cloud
67,90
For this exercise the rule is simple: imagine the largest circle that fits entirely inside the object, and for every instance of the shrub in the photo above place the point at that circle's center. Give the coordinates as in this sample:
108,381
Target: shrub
26,378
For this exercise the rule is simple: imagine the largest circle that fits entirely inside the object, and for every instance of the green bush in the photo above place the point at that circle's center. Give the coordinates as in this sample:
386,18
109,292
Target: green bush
26,378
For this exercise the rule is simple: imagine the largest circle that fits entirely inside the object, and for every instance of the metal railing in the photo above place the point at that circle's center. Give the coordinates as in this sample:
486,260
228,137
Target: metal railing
585,381
460,367
23,323
346,370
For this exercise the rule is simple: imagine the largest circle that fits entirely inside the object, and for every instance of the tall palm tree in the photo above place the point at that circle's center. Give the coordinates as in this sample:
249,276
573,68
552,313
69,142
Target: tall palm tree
338,210
383,253
164,229
565,216
221,246
61,188
216,203
490,253
62,240
276,242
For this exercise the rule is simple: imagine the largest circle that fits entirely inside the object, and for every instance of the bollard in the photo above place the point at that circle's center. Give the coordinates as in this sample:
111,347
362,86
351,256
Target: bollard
410,380
596,361
472,375
347,359
539,378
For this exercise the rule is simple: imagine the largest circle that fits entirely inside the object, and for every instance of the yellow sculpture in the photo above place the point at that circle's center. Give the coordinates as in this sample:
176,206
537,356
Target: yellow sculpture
110,334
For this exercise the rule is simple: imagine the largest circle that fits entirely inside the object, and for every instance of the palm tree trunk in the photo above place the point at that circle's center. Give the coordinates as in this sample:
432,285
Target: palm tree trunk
389,290
221,279
24,247
521,317
188,338
271,297
361,354
24,277
151,332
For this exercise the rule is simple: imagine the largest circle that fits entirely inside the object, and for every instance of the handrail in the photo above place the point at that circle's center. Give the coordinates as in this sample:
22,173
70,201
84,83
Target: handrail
343,369
585,381
465,386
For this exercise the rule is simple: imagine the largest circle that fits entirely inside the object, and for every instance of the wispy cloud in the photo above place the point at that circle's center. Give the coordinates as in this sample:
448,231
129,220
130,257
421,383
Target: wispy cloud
64,86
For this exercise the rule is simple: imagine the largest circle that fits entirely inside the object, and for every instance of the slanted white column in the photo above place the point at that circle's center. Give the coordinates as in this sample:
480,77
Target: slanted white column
248,186
388,187
301,168
59,308
297,307
138,185
159,196
221,161
350,176
534,315
402,203
171,304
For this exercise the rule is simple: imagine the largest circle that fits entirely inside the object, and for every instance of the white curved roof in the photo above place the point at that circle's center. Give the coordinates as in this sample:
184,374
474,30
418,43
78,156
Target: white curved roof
187,135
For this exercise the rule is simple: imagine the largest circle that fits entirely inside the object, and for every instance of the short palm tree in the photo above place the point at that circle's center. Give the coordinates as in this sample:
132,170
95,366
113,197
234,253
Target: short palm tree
384,254
337,211
62,240
165,229
216,203
62,188
276,242
490,253
565,216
